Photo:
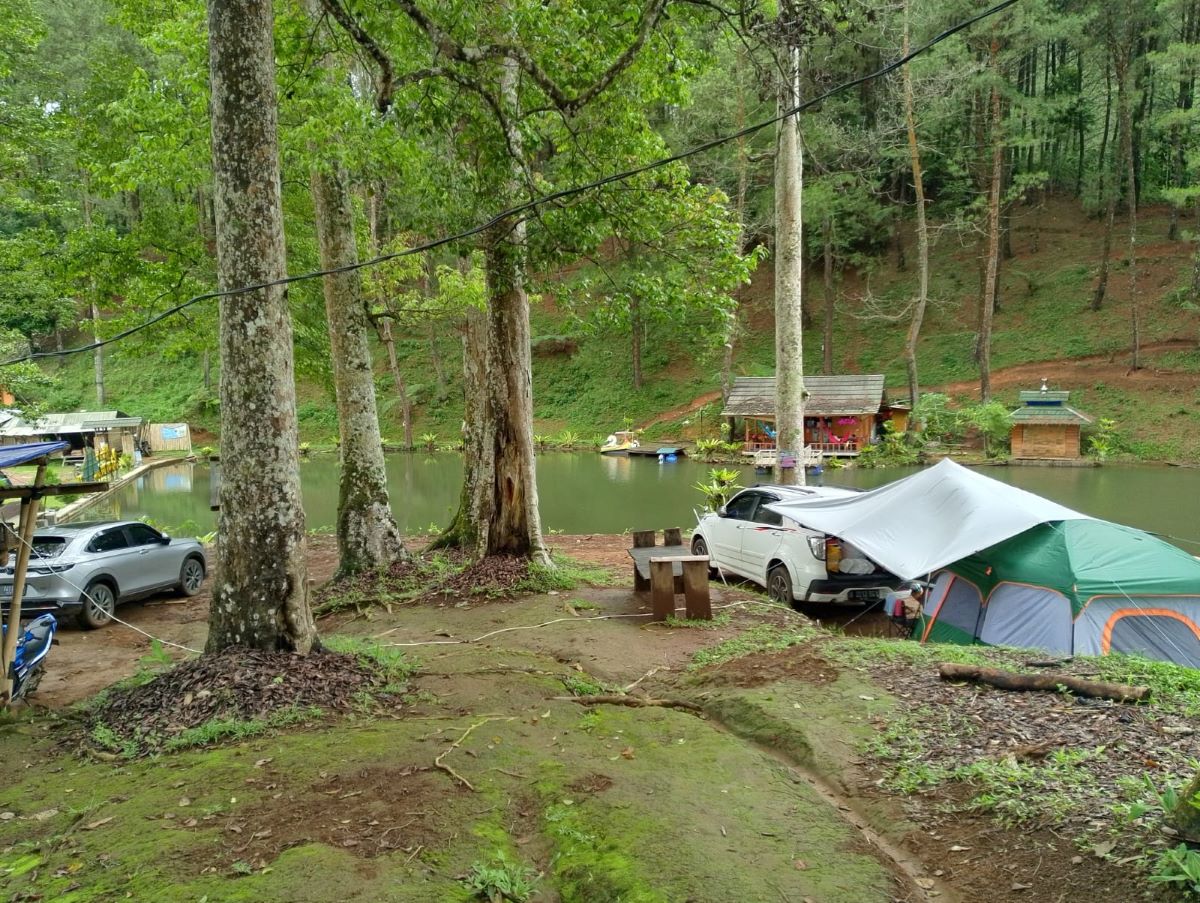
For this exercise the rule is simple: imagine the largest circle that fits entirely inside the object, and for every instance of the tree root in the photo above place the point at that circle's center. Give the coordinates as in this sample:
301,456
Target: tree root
635,702
439,764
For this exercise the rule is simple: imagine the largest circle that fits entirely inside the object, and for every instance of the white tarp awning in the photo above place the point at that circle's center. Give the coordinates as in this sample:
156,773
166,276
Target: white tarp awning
926,521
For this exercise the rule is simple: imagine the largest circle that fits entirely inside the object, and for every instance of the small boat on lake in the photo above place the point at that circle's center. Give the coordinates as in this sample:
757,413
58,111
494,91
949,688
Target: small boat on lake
620,443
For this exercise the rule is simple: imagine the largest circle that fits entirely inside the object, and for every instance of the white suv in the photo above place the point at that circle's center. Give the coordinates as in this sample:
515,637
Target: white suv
794,564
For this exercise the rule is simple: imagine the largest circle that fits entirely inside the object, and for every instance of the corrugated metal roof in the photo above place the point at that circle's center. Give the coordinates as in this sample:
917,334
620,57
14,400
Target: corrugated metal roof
60,423
1058,414
754,396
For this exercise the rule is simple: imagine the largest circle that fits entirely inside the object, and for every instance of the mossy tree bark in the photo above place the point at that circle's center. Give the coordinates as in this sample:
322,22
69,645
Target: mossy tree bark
987,303
367,536
789,274
260,595
366,530
498,511
922,300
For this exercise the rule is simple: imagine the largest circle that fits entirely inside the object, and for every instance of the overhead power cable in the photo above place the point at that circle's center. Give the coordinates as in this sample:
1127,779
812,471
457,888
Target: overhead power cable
535,202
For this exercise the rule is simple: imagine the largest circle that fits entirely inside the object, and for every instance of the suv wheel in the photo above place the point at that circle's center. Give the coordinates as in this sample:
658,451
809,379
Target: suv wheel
700,547
779,585
99,603
191,575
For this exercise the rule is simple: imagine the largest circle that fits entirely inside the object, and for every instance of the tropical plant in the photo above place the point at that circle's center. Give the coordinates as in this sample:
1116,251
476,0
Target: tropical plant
720,486
566,440
540,442
1104,440
430,441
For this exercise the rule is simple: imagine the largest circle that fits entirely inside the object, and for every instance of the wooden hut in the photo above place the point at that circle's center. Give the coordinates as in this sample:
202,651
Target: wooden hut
79,430
1045,427
842,413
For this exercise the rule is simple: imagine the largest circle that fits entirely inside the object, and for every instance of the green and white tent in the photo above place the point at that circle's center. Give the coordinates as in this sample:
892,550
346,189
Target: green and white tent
1081,586
1012,568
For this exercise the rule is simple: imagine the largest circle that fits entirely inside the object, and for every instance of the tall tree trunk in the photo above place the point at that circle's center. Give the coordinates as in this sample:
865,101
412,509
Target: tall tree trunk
94,308
789,275
439,368
388,338
429,284
830,296
1080,129
988,306
367,536
260,591
1124,76
635,338
503,505
478,470
1110,205
914,155
743,185
98,354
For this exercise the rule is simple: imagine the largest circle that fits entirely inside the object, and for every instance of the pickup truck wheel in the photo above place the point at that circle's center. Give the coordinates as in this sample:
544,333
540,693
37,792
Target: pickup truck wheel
99,603
779,585
191,575
700,547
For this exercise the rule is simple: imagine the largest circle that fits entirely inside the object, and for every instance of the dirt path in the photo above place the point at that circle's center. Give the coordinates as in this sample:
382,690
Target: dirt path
675,413
1112,369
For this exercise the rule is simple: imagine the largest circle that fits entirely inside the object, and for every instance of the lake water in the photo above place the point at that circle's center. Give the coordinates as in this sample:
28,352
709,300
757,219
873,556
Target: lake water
585,492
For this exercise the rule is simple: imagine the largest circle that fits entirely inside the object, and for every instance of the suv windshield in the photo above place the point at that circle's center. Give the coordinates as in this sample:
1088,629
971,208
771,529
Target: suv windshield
48,546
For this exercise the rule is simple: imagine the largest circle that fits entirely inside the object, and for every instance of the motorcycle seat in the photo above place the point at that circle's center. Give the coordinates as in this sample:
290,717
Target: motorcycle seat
38,636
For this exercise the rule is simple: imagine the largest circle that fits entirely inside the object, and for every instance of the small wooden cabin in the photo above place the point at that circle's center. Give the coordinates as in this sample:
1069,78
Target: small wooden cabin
1045,427
80,429
842,413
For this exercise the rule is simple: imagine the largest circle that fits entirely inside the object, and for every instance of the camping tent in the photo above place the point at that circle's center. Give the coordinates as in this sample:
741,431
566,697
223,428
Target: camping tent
1018,570
925,521
1086,587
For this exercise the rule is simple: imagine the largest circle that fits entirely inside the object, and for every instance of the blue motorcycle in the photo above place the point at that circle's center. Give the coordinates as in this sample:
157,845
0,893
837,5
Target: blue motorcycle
32,647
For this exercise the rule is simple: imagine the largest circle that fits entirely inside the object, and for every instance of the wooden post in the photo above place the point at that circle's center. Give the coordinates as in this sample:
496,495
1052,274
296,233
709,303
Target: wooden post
695,588
26,526
640,584
672,537
643,539
662,589
214,483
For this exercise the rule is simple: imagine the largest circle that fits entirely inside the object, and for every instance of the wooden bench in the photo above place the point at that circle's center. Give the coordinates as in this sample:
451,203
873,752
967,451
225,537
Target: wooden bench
669,569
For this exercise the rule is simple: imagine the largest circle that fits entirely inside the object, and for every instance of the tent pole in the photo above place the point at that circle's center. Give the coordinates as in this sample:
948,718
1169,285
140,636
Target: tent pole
26,526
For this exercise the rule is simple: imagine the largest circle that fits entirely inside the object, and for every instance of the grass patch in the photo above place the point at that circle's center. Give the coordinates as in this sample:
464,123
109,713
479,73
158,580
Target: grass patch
763,638
724,619
222,730
502,879
393,664
581,685
564,575
1174,687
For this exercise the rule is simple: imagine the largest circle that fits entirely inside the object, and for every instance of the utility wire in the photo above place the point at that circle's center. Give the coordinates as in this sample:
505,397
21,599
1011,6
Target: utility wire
535,202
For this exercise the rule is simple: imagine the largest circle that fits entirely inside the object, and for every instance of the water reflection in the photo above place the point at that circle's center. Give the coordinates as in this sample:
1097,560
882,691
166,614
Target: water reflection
586,492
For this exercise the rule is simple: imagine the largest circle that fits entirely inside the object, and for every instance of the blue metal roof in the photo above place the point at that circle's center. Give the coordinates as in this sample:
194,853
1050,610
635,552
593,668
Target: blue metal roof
13,455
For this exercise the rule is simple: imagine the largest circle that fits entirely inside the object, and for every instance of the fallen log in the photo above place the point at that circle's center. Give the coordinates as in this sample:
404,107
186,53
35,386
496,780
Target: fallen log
1008,680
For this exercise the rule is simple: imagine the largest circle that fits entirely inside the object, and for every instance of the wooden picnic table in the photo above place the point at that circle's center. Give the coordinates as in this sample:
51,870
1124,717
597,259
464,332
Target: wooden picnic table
669,569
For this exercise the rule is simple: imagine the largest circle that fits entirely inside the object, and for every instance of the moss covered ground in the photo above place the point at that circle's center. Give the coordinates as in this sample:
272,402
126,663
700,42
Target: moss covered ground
604,803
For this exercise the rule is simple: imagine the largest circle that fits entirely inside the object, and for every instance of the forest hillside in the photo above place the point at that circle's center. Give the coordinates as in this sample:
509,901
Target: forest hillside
582,384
